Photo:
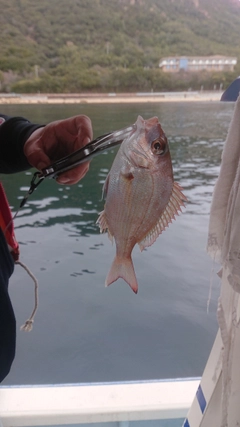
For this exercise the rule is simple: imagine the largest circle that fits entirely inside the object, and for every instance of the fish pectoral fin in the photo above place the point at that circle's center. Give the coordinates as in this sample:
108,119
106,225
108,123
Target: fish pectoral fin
102,222
173,208
128,176
122,267
127,172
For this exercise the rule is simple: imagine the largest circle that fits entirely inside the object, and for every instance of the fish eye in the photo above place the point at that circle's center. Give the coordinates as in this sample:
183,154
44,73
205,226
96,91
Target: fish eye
158,146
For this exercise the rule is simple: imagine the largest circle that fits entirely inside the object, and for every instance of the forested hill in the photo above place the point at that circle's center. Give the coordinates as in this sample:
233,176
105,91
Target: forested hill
74,45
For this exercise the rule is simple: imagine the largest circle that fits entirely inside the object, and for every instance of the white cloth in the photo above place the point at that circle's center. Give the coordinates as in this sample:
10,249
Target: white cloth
224,247
224,226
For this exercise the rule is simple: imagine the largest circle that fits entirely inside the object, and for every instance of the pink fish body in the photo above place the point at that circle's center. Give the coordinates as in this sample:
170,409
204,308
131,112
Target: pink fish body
141,196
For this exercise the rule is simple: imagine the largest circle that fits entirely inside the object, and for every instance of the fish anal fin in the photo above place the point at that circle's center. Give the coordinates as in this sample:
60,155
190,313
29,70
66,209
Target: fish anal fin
172,208
102,222
122,267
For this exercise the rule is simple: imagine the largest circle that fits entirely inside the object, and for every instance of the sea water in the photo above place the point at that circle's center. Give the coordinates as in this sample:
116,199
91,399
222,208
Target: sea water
84,332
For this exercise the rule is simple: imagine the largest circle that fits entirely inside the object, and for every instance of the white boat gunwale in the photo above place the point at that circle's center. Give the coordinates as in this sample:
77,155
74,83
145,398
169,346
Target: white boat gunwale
92,403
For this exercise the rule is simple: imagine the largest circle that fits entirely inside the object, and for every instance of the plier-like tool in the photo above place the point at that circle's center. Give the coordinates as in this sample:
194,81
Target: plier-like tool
87,152
82,155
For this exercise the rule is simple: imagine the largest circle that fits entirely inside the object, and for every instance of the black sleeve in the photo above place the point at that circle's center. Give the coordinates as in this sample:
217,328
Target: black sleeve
14,132
7,318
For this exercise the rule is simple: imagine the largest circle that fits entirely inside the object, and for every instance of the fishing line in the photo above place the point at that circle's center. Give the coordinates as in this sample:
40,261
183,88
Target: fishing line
11,221
28,325
33,185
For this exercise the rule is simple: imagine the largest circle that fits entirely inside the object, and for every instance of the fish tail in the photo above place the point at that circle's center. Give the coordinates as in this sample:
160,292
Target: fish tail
122,267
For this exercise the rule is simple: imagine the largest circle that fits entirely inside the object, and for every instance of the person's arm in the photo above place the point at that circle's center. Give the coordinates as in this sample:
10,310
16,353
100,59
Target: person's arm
24,144
14,132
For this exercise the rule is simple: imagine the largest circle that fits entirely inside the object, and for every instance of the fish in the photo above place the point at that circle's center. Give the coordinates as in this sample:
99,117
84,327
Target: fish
141,197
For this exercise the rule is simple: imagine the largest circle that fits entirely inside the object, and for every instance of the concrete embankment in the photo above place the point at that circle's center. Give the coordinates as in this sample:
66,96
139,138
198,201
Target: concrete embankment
94,98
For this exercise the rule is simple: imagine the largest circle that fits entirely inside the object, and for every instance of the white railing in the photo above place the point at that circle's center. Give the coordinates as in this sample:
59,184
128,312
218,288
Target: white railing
92,403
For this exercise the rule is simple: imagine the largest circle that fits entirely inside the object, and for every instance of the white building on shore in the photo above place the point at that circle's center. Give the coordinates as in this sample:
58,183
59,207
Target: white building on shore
173,64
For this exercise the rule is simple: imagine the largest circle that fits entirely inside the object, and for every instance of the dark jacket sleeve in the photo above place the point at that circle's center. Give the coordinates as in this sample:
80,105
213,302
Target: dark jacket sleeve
7,318
14,132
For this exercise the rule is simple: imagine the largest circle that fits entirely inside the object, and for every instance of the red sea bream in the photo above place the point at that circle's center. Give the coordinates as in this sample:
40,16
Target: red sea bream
141,196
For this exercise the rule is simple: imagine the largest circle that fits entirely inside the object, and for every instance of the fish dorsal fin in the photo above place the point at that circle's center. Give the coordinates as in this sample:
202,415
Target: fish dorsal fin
173,208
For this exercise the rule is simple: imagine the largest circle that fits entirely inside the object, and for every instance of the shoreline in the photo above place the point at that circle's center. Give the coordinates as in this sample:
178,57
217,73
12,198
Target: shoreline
110,98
